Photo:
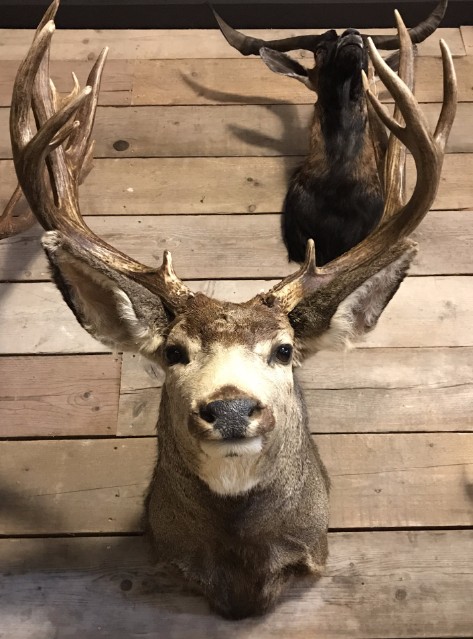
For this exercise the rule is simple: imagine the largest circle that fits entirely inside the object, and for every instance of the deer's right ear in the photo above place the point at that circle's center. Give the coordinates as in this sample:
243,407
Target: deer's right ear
110,306
283,64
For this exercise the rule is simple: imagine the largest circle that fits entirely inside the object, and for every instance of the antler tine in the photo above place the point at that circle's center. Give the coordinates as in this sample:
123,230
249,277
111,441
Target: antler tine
303,282
79,142
389,241
395,158
49,15
13,224
449,104
417,34
21,133
20,129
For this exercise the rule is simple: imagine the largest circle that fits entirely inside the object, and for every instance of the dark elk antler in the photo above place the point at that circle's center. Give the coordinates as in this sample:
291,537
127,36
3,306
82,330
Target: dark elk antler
63,144
251,46
390,239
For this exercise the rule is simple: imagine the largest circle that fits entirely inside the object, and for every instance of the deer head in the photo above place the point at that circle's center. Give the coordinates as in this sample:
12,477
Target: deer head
338,58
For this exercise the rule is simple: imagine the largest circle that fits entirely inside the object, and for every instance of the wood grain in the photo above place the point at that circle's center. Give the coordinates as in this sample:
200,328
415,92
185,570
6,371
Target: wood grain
202,186
249,81
426,312
228,130
115,88
389,584
364,390
377,481
131,44
467,36
445,239
59,396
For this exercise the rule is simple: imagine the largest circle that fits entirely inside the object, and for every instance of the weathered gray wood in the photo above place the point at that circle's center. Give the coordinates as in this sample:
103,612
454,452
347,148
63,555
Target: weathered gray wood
115,89
131,44
138,412
35,319
97,486
364,390
377,585
218,185
467,36
139,396
228,130
59,396
249,81
445,239
434,311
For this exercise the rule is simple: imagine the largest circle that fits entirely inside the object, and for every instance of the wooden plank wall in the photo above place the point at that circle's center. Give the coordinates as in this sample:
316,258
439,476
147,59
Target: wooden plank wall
194,148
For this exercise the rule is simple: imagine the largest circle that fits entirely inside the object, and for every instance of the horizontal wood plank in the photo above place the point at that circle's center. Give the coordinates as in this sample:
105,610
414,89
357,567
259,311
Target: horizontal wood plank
59,396
377,481
115,88
205,186
434,311
243,130
35,319
183,131
364,390
445,239
249,81
131,44
388,583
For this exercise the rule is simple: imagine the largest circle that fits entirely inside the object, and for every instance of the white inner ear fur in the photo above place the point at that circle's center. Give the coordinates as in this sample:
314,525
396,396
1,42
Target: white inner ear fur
106,310
360,311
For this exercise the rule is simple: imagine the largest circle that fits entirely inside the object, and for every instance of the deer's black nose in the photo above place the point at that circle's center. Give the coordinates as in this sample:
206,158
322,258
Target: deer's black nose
230,417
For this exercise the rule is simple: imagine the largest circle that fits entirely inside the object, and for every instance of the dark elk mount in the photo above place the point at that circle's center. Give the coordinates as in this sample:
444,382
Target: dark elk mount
238,502
335,197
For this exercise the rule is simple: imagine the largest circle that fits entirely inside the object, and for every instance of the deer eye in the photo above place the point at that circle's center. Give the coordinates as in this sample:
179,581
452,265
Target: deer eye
175,355
283,353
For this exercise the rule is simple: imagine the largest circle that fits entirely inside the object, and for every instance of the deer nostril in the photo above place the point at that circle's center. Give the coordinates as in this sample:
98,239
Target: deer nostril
206,414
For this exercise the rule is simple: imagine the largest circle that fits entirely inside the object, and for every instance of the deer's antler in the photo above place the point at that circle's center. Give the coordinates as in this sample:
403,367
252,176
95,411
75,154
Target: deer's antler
51,162
390,238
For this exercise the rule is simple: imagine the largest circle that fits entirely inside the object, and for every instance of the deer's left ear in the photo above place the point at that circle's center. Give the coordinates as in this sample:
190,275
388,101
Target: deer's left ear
283,64
326,321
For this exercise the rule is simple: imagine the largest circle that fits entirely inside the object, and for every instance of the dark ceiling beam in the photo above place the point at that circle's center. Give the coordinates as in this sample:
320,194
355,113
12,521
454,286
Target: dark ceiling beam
168,14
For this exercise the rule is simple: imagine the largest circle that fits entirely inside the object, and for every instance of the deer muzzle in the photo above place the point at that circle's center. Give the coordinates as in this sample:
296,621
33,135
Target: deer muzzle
231,419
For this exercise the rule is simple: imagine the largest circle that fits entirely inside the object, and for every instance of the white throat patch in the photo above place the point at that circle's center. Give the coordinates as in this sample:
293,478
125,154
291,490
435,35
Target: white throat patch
230,468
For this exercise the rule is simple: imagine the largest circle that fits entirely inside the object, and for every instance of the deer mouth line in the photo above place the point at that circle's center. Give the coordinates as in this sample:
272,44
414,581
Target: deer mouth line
233,447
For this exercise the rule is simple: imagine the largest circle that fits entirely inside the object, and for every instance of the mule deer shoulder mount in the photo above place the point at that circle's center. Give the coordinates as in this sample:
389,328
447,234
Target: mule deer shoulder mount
239,497
335,196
